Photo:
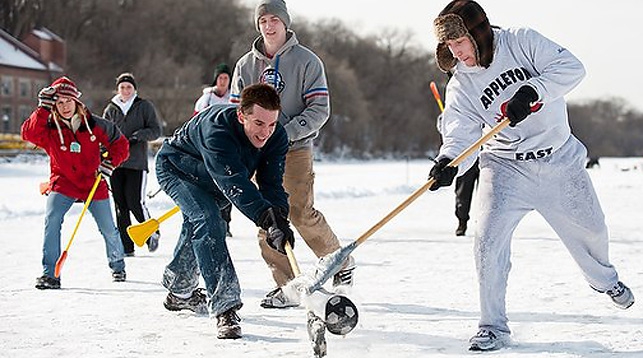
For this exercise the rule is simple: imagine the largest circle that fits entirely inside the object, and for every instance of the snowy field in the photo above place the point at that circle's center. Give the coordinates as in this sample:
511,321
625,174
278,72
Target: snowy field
415,282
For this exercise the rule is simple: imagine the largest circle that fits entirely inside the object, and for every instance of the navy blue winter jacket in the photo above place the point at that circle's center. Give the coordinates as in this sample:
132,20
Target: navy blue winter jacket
212,151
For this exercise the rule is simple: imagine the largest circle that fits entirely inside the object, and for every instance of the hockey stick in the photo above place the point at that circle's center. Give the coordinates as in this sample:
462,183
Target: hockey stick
139,233
330,264
436,95
151,195
63,255
315,326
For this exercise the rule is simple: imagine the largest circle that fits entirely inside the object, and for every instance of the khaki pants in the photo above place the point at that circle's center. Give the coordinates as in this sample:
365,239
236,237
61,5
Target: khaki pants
310,223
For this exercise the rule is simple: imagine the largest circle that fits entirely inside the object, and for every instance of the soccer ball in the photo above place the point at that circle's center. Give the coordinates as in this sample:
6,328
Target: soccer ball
341,315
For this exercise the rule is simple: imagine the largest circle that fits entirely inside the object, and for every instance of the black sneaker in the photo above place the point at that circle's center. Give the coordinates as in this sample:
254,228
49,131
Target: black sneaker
228,325
228,233
119,276
196,303
129,254
345,276
462,228
45,282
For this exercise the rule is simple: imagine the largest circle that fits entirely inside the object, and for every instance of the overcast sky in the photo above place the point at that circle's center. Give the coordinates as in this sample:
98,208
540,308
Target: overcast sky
596,33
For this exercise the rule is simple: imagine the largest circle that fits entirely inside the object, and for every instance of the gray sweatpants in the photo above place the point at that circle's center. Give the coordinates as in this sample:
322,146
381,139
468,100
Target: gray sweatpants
559,188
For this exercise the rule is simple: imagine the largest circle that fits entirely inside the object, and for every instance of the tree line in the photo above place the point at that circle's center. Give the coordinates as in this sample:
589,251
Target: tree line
380,98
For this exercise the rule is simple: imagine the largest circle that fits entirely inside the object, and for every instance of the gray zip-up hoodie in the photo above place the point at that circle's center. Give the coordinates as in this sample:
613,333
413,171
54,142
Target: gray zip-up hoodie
298,76
140,125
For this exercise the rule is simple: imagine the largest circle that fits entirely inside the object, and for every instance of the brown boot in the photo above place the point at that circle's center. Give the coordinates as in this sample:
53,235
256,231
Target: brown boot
228,325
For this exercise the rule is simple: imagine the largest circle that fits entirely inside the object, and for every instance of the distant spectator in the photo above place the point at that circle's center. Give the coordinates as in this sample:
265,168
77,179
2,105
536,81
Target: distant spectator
219,93
137,119
592,162
464,186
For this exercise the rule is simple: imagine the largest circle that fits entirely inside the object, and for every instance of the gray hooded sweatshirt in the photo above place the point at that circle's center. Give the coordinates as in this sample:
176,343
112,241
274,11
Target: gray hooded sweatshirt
298,76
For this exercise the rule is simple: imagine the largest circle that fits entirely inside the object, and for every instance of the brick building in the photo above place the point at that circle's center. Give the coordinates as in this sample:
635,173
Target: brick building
25,67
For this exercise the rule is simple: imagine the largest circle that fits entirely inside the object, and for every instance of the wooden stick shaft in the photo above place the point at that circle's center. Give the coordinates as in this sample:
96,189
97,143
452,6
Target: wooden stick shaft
292,260
169,213
454,163
82,213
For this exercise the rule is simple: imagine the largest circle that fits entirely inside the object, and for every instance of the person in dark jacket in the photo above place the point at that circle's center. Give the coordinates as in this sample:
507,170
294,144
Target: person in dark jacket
72,138
137,119
207,164
464,186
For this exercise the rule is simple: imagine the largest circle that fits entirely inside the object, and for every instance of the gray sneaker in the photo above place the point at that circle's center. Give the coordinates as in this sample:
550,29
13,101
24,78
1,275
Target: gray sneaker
487,340
196,303
153,241
277,299
621,295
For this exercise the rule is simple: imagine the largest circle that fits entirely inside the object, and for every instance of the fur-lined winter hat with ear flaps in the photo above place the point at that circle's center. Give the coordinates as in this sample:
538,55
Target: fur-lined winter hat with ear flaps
463,18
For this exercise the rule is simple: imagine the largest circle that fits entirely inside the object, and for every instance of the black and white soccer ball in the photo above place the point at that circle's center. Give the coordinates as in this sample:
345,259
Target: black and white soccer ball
341,315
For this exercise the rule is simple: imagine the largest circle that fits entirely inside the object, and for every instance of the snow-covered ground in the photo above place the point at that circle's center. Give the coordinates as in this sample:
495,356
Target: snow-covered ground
415,283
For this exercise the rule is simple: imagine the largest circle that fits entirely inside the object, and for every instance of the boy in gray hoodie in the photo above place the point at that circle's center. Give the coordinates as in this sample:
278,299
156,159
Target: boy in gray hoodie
277,58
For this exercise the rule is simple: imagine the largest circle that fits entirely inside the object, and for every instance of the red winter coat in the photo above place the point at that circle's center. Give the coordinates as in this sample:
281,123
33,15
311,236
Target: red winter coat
73,174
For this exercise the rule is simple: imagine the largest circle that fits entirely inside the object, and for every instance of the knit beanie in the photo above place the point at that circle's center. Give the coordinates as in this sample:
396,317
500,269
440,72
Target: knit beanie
66,87
463,18
274,7
220,69
126,77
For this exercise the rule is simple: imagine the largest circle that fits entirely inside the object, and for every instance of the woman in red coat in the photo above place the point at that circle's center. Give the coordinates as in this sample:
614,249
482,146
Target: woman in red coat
72,137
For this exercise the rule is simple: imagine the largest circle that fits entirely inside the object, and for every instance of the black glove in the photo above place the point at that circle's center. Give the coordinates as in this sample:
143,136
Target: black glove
278,228
133,139
106,167
47,98
519,106
442,173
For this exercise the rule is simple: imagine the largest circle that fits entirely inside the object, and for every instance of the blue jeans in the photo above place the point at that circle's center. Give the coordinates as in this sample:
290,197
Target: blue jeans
57,206
201,247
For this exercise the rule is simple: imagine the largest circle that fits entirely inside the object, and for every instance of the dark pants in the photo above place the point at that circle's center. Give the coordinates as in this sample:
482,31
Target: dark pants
128,187
464,192
226,214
